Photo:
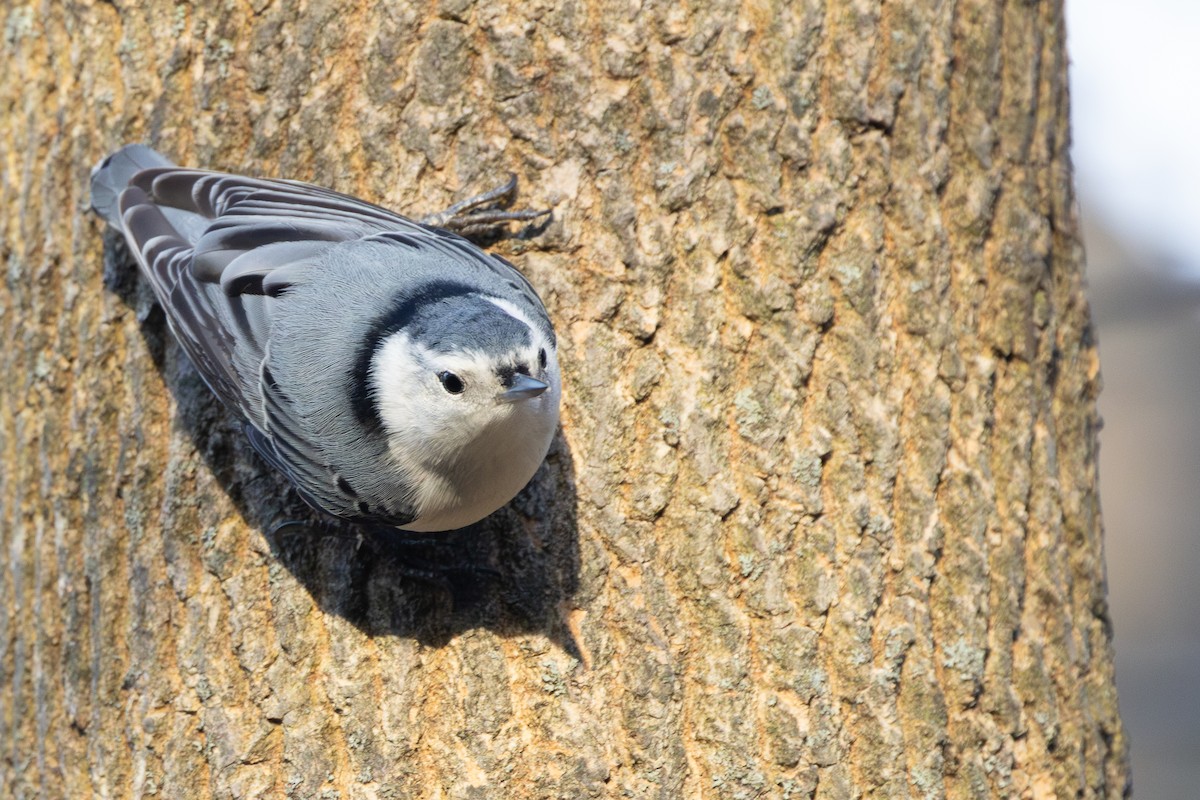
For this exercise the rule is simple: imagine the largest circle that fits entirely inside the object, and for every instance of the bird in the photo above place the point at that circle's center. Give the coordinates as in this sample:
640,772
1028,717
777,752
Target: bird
393,371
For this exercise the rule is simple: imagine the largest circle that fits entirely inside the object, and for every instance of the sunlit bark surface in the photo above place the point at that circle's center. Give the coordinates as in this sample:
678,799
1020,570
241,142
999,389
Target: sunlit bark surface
822,520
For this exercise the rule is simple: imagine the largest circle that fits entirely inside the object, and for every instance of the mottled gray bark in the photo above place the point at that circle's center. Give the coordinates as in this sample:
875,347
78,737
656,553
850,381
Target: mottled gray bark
822,521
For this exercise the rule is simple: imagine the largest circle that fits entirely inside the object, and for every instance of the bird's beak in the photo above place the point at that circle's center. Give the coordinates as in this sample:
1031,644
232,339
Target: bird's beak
523,387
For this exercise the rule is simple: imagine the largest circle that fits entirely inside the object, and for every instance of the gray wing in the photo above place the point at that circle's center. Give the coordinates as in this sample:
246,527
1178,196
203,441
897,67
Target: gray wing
262,234
218,250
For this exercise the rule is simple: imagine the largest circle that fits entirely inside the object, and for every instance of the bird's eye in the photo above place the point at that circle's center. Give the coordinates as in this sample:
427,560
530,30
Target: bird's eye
542,357
451,382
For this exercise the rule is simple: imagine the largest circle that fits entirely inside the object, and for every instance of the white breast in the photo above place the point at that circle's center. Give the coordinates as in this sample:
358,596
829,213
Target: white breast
493,467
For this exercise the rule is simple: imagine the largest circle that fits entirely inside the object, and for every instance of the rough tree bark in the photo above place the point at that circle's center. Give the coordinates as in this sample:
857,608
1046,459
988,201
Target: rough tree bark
822,520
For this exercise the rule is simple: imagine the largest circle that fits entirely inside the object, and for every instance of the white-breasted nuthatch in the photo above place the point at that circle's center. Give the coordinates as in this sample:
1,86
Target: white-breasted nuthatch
393,371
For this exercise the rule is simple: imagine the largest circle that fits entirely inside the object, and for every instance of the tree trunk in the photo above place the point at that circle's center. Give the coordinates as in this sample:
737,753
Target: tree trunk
822,520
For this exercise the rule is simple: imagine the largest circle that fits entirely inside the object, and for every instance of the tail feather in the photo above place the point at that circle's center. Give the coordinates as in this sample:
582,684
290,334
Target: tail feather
112,175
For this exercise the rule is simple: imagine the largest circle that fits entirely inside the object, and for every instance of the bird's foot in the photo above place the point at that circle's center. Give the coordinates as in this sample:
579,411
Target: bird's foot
482,213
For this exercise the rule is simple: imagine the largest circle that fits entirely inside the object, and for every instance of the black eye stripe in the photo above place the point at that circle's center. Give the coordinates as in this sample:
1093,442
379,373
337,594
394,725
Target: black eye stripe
542,357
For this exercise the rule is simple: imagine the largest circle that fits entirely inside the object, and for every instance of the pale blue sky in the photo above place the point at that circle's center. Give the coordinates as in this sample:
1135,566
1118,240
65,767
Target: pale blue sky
1135,95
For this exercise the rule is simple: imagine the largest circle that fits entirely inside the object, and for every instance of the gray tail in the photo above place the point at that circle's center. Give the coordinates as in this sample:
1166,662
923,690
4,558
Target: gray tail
112,175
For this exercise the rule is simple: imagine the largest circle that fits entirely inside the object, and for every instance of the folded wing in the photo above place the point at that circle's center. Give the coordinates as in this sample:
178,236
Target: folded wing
219,251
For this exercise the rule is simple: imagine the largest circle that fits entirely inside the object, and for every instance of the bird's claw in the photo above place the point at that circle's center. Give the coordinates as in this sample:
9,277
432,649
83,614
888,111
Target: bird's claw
483,212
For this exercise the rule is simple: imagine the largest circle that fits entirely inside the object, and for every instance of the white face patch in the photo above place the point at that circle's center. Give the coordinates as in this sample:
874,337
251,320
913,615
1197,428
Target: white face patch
409,396
464,454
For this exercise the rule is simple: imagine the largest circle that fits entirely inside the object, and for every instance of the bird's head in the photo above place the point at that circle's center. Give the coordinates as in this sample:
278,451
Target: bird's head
467,391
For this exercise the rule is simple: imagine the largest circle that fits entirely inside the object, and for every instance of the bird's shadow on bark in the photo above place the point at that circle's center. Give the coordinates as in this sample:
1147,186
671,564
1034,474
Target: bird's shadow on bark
514,572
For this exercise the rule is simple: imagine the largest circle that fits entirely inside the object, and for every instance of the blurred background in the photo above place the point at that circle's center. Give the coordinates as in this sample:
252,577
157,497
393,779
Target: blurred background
1135,104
